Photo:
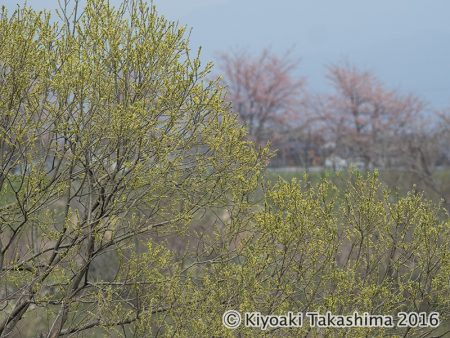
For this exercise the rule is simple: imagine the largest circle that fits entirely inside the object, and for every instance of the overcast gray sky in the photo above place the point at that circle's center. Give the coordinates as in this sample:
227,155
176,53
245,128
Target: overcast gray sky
406,43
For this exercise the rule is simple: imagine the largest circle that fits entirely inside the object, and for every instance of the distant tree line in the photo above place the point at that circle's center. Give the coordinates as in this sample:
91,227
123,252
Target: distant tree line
360,122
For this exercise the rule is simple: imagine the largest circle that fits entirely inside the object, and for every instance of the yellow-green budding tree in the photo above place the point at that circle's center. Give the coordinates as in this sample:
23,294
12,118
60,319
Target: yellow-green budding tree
129,199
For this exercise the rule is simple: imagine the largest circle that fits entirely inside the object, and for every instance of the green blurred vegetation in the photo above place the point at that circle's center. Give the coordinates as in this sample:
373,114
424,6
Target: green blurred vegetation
397,180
